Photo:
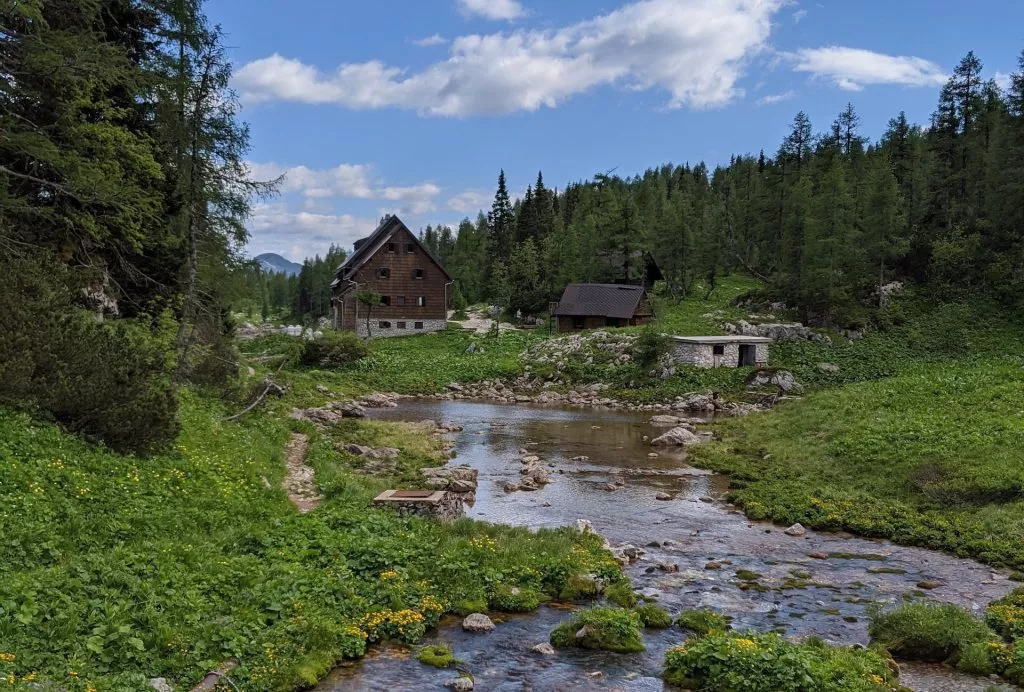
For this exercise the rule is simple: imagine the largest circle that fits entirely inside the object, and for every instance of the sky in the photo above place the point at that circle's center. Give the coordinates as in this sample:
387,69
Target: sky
413,107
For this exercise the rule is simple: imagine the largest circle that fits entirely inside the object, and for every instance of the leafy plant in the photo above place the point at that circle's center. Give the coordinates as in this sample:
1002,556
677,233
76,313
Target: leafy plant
653,616
703,622
927,631
608,629
334,349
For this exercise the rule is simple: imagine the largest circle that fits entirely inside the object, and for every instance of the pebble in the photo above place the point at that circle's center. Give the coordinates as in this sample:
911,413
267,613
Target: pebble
928,584
817,556
653,455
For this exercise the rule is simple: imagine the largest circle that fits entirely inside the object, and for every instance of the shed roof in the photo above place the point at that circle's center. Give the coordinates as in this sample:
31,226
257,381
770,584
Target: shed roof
732,339
600,300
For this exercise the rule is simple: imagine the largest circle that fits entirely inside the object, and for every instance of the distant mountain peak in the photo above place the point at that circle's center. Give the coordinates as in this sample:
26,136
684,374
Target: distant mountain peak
272,262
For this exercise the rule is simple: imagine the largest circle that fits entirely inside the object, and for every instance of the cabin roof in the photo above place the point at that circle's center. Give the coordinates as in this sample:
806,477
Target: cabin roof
365,248
600,300
732,339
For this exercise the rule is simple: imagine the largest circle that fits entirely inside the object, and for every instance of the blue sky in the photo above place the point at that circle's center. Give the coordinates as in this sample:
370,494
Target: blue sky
413,107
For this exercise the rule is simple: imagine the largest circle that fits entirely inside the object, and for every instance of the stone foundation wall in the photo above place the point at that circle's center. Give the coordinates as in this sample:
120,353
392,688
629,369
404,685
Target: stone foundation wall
393,330
443,505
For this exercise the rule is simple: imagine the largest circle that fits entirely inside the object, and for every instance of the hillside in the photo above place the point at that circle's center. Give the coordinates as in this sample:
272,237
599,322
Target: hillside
272,262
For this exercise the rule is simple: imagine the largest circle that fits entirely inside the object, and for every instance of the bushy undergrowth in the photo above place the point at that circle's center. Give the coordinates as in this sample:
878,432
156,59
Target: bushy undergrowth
733,662
702,622
928,458
653,616
607,629
333,350
170,565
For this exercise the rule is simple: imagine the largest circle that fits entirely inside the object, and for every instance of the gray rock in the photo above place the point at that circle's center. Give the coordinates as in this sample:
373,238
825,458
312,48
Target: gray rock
795,530
160,685
544,649
358,450
783,379
662,496
477,623
462,684
828,367
677,436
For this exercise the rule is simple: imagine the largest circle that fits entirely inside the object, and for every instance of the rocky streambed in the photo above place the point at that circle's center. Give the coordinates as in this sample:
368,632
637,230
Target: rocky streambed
692,550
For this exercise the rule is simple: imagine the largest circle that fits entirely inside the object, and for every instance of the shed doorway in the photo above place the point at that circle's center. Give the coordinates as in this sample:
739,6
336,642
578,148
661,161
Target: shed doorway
748,355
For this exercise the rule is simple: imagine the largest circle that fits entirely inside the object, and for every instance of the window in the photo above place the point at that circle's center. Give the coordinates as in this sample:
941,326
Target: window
410,248
401,300
385,300
577,323
401,325
383,273
418,325
417,274
718,350
392,247
421,301
384,325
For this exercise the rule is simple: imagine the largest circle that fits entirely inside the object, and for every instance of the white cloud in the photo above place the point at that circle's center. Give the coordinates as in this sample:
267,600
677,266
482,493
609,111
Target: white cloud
853,68
799,15
695,50
348,181
435,40
300,234
1002,80
469,202
771,99
493,9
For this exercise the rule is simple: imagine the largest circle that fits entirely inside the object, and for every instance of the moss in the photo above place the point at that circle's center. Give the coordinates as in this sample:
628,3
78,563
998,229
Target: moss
606,629
515,599
437,655
470,605
800,573
653,616
702,622
621,594
886,570
579,587
747,575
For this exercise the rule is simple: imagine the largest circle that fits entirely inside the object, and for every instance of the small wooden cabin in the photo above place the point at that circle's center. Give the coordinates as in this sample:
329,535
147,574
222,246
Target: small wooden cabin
592,306
413,286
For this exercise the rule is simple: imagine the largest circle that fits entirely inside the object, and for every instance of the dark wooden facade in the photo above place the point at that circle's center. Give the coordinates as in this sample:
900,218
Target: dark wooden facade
595,306
393,263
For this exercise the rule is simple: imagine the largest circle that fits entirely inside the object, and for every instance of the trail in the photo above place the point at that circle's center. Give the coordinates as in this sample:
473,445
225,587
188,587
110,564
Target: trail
298,480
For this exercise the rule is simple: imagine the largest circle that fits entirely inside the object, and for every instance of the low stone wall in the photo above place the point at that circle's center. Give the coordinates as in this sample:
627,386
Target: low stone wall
376,330
438,504
703,355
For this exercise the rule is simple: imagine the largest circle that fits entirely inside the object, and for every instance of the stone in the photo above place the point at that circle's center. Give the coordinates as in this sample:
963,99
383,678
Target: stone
350,409
160,685
669,567
619,481
580,458
584,526
665,420
828,367
783,379
454,387
611,487
928,584
530,459
584,632
653,455
510,487
528,484
795,530
677,436
438,504
460,486
818,556
544,649
461,684
663,496
477,623
713,565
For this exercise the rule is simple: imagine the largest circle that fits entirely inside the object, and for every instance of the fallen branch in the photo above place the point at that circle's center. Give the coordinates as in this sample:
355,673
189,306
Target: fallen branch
271,387
212,678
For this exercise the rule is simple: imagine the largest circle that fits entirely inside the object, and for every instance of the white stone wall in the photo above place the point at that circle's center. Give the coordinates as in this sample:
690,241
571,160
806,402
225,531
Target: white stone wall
703,355
761,353
377,331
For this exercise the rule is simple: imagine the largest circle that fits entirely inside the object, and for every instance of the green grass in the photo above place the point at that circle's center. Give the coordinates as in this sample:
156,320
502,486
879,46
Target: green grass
930,458
933,632
437,655
115,568
689,317
702,622
606,629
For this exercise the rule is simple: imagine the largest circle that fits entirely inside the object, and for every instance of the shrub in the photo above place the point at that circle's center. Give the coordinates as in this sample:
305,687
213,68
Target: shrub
1006,616
621,593
437,655
111,379
702,622
974,659
768,663
649,347
932,632
578,587
515,599
607,629
654,616
334,349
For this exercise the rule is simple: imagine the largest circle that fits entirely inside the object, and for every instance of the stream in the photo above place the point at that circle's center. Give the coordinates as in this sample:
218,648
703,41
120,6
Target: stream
693,529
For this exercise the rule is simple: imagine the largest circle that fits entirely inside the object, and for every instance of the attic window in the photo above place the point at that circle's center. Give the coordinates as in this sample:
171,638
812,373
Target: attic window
383,273
410,248
392,247
417,274
385,300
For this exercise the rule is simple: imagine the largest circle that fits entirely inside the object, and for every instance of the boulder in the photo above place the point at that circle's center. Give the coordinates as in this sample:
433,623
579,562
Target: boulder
611,487
160,685
510,487
677,436
544,649
783,379
795,530
477,623
358,450
530,459
663,496
461,684
665,419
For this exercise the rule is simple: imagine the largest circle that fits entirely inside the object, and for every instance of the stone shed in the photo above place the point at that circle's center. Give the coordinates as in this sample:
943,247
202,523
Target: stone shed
720,351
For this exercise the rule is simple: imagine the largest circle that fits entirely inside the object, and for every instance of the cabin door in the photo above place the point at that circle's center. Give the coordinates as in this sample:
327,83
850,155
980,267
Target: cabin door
748,355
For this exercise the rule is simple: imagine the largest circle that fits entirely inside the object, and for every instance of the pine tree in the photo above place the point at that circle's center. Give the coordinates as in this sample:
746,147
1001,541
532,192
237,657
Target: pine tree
501,221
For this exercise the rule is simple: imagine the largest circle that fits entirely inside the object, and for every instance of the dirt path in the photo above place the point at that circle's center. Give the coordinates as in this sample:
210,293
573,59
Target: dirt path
479,322
298,480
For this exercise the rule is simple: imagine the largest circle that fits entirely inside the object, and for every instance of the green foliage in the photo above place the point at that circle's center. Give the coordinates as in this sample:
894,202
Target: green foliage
437,655
751,662
649,347
653,616
974,658
703,622
621,594
1006,616
334,350
111,380
514,599
607,629
579,587
927,631
174,563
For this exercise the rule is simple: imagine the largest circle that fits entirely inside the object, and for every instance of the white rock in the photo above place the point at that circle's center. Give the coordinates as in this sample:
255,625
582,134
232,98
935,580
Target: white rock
478,623
544,649
795,530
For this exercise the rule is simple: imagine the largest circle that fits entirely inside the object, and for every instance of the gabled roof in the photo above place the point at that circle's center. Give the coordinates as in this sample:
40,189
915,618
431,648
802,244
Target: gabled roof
600,300
365,248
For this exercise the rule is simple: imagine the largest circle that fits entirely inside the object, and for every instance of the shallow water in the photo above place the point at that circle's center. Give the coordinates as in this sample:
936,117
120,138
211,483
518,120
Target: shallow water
691,530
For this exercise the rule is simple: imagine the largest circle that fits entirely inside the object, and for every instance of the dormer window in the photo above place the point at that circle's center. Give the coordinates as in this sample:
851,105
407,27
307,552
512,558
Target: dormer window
384,273
417,274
